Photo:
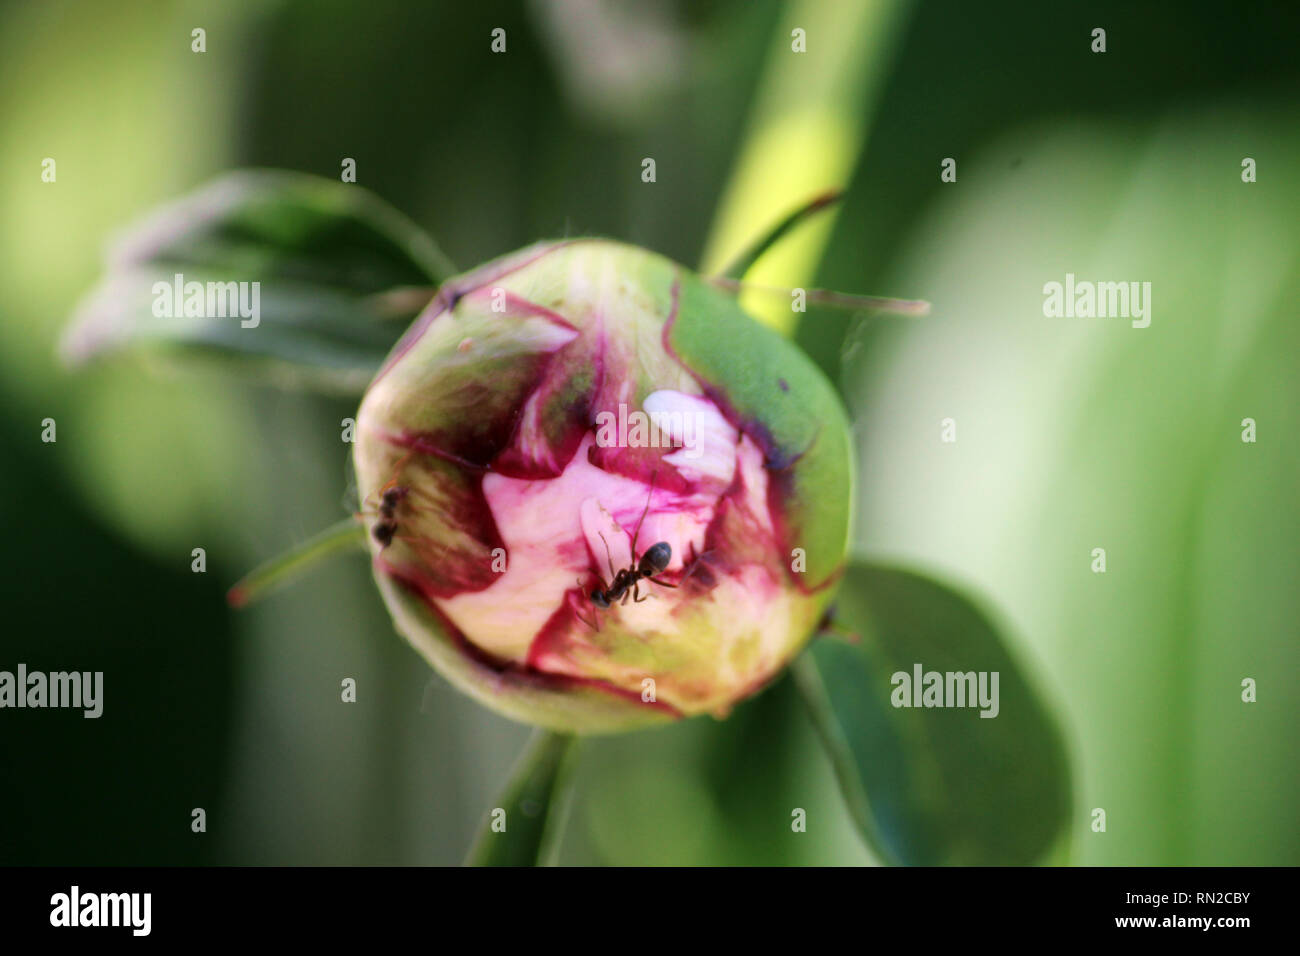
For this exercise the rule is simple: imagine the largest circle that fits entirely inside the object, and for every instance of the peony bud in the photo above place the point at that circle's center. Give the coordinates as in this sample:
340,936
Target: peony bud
599,494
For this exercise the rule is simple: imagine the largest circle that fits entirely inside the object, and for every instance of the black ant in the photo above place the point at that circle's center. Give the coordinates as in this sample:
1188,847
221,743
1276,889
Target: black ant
390,496
626,583
653,562
386,527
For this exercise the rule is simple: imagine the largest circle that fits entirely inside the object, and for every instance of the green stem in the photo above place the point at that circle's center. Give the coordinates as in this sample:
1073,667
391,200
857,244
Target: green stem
525,826
557,817
835,300
274,574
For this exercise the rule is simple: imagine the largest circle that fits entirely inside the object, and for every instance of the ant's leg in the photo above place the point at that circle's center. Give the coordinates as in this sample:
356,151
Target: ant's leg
644,511
595,617
578,615
582,588
397,468
389,484
663,584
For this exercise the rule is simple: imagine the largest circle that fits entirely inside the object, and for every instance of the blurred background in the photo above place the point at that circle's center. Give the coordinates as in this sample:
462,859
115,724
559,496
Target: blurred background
1072,434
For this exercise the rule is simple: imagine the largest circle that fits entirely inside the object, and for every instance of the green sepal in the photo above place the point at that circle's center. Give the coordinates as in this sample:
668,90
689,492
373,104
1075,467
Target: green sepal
784,401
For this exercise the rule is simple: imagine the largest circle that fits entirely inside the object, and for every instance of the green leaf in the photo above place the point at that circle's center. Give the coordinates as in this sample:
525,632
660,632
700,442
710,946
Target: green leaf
534,805
339,273
936,785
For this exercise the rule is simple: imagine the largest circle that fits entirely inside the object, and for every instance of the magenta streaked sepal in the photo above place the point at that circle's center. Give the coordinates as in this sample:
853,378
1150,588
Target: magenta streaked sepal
494,417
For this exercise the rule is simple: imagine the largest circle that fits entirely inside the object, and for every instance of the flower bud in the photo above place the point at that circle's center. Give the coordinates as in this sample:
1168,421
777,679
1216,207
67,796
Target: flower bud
599,494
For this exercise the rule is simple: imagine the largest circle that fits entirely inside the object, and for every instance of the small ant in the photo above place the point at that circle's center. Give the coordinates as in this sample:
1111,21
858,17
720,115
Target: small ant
390,496
626,583
653,562
386,527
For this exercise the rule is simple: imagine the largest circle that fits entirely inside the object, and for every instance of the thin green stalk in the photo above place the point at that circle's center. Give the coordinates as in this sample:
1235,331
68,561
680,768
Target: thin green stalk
836,300
275,573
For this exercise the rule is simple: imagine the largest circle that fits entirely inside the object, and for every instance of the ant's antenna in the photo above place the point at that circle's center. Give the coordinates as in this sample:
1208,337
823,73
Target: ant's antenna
635,534
609,559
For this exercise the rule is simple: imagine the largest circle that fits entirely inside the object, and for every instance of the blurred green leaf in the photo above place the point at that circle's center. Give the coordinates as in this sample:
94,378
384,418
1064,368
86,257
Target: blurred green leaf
938,785
534,806
806,128
340,275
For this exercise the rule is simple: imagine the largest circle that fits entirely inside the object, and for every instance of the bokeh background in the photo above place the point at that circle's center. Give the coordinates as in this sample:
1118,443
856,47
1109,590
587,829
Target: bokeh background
1072,433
